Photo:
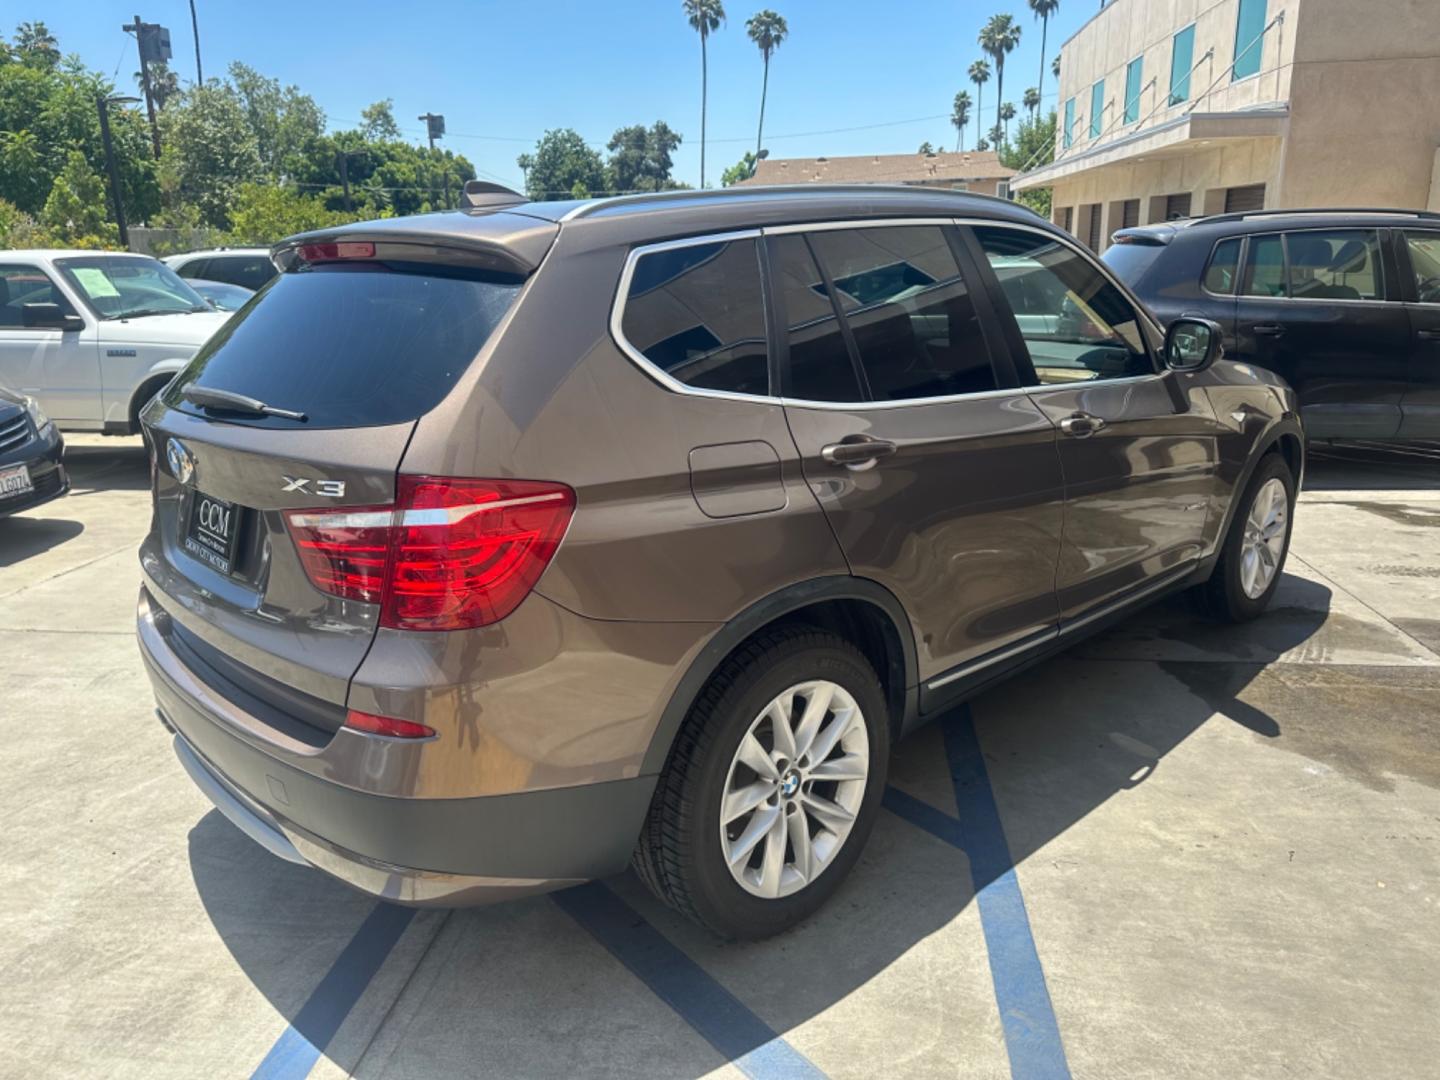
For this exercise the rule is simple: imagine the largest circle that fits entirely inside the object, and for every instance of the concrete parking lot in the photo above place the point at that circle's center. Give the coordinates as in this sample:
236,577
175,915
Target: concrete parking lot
1177,850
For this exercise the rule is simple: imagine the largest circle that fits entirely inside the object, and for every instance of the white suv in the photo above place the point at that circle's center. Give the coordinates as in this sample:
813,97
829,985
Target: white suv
94,335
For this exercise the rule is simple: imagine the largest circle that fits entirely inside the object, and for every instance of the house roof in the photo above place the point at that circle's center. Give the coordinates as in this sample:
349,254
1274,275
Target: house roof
938,168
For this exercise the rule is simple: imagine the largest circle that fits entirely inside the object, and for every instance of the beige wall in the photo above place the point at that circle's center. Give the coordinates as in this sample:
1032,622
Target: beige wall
1126,29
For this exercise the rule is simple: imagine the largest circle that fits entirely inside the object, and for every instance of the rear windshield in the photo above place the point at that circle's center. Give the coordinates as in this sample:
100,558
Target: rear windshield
350,345
1131,261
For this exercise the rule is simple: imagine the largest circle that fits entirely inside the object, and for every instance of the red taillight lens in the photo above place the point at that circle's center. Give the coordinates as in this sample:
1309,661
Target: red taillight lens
450,555
372,724
344,249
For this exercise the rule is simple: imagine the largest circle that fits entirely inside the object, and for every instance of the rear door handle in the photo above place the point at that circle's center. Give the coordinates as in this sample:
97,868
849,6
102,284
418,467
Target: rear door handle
1269,330
857,451
1081,425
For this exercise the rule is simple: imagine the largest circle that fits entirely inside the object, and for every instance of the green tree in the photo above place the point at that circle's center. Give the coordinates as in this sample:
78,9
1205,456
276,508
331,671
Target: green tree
286,123
926,148
1033,148
164,83
743,169
641,158
1055,66
267,213
210,151
561,163
18,229
1007,113
74,213
705,17
1042,10
768,30
959,117
979,75
377,122
999,38
36,45
1031,100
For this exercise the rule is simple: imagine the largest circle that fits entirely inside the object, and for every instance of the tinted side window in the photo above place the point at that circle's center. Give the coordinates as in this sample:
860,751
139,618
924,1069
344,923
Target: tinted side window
21,285
1264,268
909,310
698,314
195,268
1425,262
1076,325
248,271
1224,266
820,368
1340,264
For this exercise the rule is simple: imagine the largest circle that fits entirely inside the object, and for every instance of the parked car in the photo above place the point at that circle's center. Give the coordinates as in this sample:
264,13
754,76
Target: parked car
249,268
222,295
32,453
93,335
1344,304
493,546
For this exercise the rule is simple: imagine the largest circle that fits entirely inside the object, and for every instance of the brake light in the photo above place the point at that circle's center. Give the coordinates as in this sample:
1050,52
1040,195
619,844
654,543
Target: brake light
372,724
451,554
332,252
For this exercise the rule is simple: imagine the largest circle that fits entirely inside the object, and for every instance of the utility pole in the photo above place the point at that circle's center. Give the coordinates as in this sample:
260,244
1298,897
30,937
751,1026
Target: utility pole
345,179
103,104
154,43
435,129
195,26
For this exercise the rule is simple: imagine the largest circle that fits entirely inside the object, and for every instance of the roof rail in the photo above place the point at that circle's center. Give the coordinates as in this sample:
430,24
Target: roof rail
1244,215
481,194
741,191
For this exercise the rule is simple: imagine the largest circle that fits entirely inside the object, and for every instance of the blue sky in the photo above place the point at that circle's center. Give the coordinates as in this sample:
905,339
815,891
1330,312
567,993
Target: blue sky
502,73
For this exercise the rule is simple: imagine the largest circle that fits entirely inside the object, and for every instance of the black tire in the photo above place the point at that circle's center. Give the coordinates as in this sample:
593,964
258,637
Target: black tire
679,855
1223,596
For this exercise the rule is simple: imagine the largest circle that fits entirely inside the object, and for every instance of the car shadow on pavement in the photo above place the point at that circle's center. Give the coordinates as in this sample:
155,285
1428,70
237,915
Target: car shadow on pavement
22,537
524,989
1340,466
122,467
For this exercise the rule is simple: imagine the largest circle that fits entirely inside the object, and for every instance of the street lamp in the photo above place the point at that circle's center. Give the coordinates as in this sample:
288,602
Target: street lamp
103,103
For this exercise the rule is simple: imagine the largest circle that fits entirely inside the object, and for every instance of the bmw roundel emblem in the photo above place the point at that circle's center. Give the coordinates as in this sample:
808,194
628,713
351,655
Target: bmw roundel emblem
180,460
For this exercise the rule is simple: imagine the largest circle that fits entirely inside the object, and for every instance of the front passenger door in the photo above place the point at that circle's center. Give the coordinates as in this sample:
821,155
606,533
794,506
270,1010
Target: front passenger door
1138,451
59,368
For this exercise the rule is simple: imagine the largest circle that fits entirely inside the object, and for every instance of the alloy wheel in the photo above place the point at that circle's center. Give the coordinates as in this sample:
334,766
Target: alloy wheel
794,789
1263,545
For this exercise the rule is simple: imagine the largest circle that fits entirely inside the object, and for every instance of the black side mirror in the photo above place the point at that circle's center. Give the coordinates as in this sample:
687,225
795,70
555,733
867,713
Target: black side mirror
50,317
1192,344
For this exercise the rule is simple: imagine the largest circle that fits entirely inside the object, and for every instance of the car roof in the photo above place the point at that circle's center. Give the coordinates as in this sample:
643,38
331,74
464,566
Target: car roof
222,251
1251,221
68,253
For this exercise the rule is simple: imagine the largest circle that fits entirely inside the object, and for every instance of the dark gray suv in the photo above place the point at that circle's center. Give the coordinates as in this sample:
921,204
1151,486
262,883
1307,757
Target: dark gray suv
495,549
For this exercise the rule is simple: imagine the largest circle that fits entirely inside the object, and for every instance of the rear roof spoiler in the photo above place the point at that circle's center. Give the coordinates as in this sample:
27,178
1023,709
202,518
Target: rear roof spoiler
482,194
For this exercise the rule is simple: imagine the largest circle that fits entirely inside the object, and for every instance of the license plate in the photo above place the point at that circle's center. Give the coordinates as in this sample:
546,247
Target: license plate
15,480
213,531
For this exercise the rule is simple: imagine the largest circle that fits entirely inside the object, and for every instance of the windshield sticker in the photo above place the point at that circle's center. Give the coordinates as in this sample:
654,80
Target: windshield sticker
94,282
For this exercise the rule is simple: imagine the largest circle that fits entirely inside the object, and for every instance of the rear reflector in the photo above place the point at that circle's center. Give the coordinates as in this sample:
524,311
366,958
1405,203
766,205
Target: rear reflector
451,554
386,725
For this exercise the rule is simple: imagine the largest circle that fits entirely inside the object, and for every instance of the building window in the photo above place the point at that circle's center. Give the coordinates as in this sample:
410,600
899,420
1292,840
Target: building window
1244,200
1069,122
1249,29
1133,76
1097,109
1130,214
1177,206
1067,220
1182,59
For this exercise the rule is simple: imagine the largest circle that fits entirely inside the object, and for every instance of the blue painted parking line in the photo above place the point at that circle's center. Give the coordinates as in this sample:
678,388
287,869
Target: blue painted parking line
716,1014
301,1044
1032,1035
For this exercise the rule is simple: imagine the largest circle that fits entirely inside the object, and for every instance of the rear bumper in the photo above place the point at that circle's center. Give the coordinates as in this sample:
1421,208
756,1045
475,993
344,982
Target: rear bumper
421,852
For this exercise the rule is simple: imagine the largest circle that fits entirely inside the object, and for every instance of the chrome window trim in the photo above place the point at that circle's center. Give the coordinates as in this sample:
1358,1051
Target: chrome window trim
1239,239
622,293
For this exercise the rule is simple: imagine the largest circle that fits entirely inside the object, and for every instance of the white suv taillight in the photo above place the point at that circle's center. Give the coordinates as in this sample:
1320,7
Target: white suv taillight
451,554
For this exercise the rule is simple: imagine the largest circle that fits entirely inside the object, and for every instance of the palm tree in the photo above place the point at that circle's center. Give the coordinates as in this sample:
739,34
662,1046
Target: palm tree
35,39
1007,113
767,30
704,16
999,38
1055,66
1031,101
995,135
1043,9
979,75
960,116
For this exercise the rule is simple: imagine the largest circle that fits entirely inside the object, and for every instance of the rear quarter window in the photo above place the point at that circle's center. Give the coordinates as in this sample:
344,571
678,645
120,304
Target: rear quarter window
1131,261
351,345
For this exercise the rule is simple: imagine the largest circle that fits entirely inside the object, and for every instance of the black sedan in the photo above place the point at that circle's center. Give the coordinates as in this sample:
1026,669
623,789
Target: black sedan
31,455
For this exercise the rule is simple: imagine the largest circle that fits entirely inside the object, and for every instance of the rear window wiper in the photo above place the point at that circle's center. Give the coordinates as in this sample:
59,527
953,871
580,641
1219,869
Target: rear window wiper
230,401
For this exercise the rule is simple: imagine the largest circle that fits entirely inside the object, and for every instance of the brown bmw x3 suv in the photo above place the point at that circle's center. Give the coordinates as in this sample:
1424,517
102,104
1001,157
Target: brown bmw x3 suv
499,548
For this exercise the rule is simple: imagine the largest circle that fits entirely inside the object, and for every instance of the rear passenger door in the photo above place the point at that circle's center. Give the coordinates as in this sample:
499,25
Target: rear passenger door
1138,450
1313,309
939,477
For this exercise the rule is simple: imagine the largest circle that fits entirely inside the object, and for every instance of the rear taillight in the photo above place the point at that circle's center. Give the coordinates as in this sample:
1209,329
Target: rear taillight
449,555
